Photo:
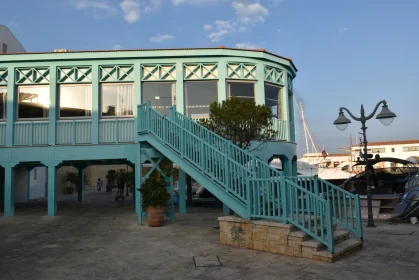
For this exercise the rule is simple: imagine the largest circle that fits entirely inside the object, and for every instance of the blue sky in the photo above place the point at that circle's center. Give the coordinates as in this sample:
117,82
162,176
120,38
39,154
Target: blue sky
348,52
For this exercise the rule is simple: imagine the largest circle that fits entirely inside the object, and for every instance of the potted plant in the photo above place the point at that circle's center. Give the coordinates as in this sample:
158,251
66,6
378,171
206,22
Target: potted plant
71,178
154,198
110,177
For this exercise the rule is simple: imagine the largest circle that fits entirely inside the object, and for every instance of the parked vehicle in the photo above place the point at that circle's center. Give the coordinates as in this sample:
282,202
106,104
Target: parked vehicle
408,205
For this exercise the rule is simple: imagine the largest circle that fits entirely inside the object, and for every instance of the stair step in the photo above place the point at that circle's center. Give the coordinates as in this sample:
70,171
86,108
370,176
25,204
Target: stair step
338,235
297,232
341,249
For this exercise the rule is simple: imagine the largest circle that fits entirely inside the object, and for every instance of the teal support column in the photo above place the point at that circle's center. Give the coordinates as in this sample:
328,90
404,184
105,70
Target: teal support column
189,190
287,166
11,107
80,183
53,111
180,96
9,191
182,192
52,190
222,74
137,95
260,84
137,184
294,166
28,183
226,210
95,103
1,186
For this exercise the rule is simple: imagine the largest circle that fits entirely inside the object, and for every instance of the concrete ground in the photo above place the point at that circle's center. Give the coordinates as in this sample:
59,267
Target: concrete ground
100,239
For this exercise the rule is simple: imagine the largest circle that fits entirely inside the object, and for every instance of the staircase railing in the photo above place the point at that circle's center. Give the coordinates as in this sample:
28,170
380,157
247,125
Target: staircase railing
258,187
346,208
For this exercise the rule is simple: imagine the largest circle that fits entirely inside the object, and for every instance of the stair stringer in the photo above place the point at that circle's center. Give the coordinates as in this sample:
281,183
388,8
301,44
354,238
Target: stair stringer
228,199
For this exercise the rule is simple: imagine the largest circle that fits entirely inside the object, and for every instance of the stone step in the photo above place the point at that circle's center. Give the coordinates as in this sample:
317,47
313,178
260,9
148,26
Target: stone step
296,232
338,236
342,249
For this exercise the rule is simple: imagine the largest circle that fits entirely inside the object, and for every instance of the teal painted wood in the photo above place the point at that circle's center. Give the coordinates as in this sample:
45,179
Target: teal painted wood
35,75
3,76
52,190
116,130
281,127
241,71
116,73
96,110
274,75
182,192
53,111
73,132
200,71
9,191
74,75
31,133
11,116
345,206
2,134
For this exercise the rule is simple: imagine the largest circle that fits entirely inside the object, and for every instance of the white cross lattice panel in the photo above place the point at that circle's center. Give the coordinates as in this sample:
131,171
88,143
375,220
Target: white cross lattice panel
3,76
241,71
76,74
117,73
274,75
32,75
159,72
200,71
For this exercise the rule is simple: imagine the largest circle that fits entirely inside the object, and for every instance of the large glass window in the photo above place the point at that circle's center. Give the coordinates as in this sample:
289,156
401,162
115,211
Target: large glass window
273,100
162,95
33,102
117,100
241,90
3,102
199,96
75,101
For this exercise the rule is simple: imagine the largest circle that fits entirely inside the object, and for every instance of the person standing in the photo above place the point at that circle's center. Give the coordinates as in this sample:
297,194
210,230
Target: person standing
99,185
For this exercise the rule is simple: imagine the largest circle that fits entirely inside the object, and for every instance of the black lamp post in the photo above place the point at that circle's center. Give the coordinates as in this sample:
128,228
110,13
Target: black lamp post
386,117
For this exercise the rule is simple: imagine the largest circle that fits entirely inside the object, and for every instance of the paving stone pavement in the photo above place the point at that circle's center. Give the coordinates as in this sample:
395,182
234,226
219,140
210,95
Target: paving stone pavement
100,239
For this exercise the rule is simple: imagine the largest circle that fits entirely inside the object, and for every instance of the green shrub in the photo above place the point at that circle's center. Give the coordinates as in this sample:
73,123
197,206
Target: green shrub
154,193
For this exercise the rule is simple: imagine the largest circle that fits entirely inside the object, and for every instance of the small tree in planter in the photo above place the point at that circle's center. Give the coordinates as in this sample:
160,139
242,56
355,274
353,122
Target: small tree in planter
111,177
154,198
72,178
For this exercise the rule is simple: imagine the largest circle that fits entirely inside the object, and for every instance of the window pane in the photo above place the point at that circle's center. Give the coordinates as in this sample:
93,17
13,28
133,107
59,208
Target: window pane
33,102
3,102
75,101
199,96
242,90
162,96
117,100
273,100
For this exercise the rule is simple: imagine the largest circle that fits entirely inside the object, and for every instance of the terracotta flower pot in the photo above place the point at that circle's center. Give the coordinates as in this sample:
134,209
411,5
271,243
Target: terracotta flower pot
155,216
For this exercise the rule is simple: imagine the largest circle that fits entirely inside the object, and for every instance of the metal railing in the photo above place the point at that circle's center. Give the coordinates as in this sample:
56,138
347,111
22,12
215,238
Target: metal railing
253,183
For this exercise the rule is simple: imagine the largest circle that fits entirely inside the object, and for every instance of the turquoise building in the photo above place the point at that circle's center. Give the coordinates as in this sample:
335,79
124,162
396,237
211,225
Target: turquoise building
78,108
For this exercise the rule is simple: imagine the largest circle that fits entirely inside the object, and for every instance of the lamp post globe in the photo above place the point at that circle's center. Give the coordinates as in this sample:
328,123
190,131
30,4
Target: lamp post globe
386,116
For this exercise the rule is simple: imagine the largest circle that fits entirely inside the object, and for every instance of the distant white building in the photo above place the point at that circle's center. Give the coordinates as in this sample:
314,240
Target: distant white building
8,41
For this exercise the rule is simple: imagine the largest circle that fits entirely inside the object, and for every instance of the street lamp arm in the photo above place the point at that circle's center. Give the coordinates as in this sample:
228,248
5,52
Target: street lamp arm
376,108
349,112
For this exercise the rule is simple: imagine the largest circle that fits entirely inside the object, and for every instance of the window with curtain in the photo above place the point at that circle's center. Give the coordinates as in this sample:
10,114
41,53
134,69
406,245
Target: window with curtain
33,102
75,101
117,100
3,102
162,95
242,90
273,100
198,97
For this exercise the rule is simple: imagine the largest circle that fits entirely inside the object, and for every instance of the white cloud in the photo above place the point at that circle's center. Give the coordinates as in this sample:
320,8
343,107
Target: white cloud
97,4
152,5
342,30
245,45
195,2
246,15
117,47
207,27
161,38
250,12
131,9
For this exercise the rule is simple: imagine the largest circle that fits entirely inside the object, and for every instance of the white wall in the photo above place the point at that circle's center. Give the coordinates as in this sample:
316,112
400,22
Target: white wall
38,182
7,37
21,183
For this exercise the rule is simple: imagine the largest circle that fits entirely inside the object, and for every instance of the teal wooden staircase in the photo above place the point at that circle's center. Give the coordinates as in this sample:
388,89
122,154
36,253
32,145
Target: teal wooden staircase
247,185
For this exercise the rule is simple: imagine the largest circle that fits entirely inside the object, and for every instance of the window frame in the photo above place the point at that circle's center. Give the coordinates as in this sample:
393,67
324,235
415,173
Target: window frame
228,96
174,90
17,103
59,102
198,81
281,117
5,106
101,100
